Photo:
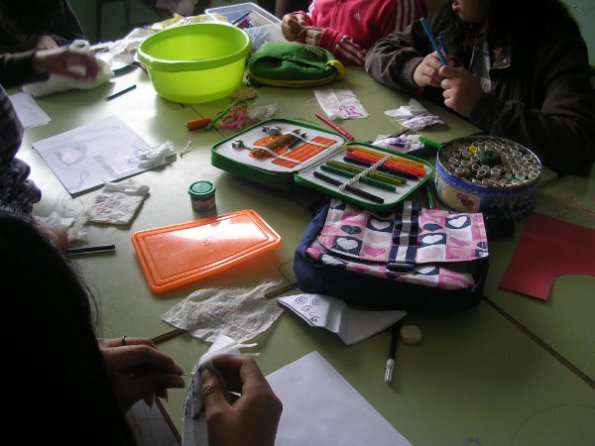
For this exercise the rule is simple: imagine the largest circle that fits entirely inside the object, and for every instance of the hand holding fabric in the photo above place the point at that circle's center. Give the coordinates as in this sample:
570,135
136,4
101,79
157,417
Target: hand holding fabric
46,42
250,420
138,370
70,62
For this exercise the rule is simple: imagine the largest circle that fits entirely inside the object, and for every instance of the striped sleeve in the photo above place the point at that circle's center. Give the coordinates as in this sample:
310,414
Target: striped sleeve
349,52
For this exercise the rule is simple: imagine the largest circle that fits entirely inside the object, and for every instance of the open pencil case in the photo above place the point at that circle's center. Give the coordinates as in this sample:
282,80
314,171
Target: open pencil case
280,153
414,259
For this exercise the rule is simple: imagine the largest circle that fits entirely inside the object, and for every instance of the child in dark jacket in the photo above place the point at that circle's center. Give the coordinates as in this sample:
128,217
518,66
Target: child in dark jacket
509,73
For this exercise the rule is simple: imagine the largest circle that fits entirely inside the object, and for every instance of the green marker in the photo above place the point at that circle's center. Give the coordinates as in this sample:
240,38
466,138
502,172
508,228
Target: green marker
380,176
428,142
366,180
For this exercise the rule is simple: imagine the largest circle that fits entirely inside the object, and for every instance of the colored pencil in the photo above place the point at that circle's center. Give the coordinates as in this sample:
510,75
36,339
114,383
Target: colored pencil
334,126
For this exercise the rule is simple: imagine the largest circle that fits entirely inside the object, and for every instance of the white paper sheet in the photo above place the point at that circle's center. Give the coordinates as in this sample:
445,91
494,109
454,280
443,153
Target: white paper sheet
340,104
87,157
333,314
321,408
30,114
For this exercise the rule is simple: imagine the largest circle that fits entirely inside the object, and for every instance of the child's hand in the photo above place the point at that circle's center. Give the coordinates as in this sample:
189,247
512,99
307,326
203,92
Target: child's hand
250,420
426,72
291,27
138,370
311,35
66,61
462,90
46,43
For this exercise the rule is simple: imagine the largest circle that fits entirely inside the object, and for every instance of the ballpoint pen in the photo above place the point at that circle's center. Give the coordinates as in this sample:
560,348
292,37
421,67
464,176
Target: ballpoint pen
392,350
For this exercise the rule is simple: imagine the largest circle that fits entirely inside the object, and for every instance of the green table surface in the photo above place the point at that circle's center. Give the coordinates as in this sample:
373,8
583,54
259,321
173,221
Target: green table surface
510,371
564,322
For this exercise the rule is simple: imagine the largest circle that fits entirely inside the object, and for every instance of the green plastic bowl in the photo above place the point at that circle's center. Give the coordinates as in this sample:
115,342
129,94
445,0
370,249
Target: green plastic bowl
196,63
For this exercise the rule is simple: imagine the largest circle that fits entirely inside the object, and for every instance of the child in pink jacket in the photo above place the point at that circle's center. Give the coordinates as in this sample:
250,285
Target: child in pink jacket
347,28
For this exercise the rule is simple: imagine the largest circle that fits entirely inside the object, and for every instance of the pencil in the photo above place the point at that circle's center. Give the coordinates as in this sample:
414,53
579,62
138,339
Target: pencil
433,41
120,93
240,18
167,336
281,290
354,190
334,126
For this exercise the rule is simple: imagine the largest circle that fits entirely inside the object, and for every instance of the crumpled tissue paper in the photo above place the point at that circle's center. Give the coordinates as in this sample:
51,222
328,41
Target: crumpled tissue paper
414,116
117,203
240,313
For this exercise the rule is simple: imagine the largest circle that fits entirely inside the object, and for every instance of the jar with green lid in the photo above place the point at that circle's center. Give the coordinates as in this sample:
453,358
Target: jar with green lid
202,197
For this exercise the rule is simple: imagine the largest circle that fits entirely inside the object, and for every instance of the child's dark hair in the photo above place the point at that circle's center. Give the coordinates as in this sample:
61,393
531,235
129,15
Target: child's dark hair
52,348
32,16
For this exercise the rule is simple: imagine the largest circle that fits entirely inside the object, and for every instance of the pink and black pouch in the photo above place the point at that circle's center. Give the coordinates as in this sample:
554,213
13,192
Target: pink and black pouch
414,259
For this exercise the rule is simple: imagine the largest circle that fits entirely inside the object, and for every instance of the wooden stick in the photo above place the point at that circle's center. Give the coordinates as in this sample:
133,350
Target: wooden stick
281,290
167,336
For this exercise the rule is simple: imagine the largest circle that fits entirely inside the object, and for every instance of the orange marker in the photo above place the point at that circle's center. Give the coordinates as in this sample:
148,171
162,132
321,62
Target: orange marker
194,124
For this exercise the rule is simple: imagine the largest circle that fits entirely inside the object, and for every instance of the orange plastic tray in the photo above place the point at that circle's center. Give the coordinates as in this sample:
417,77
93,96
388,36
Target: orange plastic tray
173,256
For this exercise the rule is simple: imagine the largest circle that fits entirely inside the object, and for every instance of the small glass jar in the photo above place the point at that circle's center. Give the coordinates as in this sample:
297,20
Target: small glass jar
202,197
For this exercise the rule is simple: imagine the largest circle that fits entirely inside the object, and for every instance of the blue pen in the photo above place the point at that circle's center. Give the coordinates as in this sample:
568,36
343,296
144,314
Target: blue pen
442,45
433,41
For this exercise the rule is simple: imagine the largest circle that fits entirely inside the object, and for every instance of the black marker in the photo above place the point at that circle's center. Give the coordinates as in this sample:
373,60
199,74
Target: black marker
91,250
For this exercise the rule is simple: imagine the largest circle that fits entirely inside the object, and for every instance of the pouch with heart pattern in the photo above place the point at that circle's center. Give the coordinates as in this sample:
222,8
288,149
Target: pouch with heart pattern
427,247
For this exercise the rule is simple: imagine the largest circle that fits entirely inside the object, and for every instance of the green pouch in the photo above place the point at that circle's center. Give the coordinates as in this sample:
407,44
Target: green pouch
293,64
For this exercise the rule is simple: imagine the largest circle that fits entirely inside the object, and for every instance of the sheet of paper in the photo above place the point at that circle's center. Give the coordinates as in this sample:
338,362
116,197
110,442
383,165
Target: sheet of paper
149,426
340,104
87,157
320,407
30,114
333,314
548,248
